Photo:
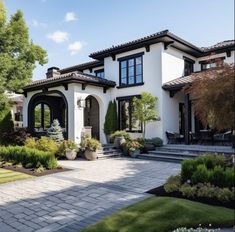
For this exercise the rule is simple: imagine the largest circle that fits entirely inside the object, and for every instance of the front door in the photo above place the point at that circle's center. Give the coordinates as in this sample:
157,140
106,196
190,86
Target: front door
91,116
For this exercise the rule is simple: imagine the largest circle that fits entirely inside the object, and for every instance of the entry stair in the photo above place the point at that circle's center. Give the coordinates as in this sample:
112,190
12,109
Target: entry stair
178,153
108,151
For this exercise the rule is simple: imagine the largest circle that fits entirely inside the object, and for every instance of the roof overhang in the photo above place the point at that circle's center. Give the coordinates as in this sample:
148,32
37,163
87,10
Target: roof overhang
82,79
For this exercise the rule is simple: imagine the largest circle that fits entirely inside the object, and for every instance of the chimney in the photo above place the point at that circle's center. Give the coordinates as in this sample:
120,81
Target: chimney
52,72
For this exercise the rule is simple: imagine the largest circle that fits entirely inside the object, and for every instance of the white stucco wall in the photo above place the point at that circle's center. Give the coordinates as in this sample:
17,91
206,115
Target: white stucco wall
151,79
159,66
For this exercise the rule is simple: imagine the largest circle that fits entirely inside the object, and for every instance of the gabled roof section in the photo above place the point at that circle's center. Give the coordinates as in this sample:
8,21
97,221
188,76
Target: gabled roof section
81,67
162,36
73,77
167,38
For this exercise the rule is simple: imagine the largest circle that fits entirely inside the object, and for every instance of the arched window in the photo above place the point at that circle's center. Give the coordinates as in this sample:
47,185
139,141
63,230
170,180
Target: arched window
42,116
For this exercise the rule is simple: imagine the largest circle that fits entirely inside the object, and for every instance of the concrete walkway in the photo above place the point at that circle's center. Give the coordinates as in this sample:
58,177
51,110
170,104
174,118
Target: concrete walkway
69,201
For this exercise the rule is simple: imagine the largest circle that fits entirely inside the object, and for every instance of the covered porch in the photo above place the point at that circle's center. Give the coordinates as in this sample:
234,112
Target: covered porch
78,101
191,131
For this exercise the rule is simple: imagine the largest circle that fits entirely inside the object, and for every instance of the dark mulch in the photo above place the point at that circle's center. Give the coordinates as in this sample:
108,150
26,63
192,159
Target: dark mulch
31,171
160,191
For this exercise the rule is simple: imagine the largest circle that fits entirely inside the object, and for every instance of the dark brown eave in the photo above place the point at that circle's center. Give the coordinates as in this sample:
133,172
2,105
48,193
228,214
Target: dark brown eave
83,66
64,81
165,37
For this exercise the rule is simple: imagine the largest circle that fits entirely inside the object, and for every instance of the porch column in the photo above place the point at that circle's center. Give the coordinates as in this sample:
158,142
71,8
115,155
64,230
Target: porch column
187,118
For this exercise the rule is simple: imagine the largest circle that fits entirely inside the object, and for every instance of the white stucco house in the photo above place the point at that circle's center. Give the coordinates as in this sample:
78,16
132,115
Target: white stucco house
160,63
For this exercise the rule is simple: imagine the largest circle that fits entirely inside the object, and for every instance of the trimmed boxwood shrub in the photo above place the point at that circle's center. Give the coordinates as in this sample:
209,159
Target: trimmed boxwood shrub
188,167
201,175
211,160
27,156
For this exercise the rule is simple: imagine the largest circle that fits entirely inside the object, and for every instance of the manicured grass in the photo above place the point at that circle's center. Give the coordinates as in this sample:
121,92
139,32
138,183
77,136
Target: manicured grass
163,214
7,176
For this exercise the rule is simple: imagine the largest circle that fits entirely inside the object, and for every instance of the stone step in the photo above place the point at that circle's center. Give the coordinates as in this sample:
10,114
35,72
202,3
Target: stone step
109,155
185,154
165,158
197,149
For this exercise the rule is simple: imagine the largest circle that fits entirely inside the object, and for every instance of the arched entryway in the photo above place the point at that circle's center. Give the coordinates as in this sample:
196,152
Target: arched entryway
92,116
43,108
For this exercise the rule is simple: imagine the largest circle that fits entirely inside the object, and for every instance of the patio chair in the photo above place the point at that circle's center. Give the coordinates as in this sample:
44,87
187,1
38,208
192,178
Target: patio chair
223,138
170,137
194,137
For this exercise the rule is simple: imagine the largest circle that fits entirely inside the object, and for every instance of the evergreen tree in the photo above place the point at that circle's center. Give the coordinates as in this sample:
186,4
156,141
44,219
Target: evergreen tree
115,116
55,131
108,120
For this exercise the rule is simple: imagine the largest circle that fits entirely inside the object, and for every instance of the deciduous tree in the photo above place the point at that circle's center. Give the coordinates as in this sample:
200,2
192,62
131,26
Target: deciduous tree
212,92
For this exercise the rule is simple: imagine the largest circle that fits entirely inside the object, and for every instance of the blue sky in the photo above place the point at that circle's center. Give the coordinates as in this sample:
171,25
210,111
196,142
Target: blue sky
71,29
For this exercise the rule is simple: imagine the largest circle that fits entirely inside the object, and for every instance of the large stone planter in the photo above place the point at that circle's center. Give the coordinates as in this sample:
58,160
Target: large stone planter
134,153
118,141
90,155
70,154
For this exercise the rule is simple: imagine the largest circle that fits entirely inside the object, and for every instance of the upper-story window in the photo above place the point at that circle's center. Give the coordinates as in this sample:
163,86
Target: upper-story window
131,70
207,64
100,73
188,66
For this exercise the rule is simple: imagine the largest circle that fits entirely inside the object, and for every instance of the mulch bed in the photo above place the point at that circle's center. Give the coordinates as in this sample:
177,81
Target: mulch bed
160,191
31,171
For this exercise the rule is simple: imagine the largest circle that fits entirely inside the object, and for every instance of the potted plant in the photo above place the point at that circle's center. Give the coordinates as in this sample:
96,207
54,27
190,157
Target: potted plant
69,148
133,147
120,138
91,146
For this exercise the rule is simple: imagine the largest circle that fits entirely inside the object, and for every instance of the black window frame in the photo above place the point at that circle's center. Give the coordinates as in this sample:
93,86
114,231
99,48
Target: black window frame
42,116
191,63
211,61
99,71
126,59
128,99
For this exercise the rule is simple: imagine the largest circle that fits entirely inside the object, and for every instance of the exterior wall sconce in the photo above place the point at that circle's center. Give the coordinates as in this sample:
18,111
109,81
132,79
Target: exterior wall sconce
81,103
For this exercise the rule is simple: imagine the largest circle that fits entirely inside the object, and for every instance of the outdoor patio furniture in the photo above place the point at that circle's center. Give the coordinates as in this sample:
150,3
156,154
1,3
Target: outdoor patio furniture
206,136
174,137
194,137
223,138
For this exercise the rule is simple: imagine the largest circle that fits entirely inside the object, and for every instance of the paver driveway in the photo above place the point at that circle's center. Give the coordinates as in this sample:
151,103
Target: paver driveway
72,200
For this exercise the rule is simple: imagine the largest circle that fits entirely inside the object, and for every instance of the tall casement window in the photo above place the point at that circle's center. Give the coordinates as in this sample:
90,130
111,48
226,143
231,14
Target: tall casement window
131,70
42,116
100,73
188,66
126,120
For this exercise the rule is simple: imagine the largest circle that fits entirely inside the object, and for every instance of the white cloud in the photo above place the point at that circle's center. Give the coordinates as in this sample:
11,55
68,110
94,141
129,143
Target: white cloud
36,23
75,47
59,36
70,16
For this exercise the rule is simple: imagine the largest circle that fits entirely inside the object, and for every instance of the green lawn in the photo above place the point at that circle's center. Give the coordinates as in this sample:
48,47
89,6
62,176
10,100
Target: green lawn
163,214
7,176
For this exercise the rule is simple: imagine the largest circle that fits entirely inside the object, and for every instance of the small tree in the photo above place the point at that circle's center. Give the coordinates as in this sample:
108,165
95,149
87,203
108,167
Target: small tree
55,131
145,109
